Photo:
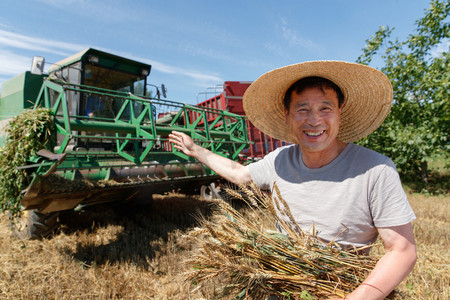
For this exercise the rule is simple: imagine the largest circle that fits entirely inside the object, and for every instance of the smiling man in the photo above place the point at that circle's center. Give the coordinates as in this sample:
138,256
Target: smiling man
347,193
312,107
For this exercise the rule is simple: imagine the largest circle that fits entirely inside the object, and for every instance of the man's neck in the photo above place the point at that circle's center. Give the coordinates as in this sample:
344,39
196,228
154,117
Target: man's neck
319,159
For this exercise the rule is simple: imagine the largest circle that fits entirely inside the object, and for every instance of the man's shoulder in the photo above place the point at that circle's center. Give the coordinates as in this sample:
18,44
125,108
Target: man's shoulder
361,150
363,154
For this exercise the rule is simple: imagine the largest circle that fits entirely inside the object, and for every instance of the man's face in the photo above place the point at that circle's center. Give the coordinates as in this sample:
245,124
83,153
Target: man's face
313,118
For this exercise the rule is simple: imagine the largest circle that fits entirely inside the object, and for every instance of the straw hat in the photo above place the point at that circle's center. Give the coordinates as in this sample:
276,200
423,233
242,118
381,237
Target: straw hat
367,98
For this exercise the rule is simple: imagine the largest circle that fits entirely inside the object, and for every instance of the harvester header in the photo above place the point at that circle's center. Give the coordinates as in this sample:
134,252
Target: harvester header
112,135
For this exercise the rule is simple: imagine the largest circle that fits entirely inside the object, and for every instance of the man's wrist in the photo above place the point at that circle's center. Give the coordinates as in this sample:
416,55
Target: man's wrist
366,291
372,286
201,154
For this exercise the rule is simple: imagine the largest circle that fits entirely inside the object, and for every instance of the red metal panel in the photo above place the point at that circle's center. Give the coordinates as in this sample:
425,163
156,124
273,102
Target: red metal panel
231,100
236,88
233,93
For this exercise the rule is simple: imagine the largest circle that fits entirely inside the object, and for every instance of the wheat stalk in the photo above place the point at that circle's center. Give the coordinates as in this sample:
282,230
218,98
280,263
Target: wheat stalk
242,251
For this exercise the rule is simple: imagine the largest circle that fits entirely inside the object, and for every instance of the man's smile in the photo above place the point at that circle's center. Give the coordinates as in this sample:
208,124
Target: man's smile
314,133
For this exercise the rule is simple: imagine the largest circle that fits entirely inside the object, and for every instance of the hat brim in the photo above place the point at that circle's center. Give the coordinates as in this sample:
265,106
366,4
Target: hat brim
367,98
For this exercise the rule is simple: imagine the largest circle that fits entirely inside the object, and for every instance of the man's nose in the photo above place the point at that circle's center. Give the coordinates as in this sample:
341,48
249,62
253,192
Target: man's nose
314,118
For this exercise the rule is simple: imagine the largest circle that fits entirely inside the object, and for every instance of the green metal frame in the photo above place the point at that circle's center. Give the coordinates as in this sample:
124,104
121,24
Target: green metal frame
134,131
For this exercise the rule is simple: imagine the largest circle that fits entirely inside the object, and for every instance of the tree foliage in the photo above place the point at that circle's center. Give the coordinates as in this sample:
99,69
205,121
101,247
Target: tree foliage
419,69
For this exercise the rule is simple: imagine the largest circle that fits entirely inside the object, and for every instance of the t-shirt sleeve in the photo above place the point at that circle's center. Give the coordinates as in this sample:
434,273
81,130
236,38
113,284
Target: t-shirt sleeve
262,171
388,202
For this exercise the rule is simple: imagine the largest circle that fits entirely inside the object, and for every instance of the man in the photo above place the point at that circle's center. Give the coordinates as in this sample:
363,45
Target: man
348,193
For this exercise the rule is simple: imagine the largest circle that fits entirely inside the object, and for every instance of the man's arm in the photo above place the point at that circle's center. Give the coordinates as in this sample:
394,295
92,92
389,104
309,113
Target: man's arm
227,168
393,267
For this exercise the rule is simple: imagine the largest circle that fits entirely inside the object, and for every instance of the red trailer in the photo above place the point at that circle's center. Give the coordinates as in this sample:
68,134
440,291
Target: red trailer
230,99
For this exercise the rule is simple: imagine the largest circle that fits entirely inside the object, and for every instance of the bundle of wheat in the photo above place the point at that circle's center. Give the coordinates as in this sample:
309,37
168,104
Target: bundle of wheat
252,260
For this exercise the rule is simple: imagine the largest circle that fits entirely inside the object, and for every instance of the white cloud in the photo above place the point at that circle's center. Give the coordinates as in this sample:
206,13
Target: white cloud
275,48
208,52
294,39
291,42
201,78
442,47
104,11
16,51
10,39
13,64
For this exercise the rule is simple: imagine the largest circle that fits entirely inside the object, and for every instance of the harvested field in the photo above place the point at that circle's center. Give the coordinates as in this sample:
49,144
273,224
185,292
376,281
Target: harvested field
133,252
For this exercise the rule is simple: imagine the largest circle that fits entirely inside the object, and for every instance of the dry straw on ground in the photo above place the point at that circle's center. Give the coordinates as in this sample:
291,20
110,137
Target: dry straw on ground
127,253
253,262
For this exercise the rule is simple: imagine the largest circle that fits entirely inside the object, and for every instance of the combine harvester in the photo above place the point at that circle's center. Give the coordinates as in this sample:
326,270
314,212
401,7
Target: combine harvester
112,138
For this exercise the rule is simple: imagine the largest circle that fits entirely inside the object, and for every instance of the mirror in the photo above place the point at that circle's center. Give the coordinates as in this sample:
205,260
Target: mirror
37,65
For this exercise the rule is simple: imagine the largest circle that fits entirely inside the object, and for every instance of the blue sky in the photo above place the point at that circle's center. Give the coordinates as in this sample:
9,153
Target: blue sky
193,44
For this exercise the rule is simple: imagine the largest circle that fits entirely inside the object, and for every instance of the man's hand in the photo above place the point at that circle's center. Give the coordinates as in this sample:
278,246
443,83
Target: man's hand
183,143
227,168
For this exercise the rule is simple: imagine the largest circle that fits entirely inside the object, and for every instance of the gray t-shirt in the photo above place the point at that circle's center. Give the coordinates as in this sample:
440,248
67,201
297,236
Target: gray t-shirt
360,190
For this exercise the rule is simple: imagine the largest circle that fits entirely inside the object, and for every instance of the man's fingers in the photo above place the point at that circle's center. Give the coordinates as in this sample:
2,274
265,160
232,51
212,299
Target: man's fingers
176,142
176,133
175,138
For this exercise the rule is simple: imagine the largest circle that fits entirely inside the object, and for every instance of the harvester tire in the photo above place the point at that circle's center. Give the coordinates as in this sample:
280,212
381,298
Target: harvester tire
209,192
34,225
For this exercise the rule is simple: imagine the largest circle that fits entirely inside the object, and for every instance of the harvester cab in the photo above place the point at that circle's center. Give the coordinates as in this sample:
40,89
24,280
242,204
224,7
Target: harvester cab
111,137
101,70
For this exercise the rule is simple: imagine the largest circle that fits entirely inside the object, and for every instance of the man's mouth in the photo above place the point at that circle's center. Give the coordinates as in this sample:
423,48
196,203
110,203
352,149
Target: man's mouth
314,133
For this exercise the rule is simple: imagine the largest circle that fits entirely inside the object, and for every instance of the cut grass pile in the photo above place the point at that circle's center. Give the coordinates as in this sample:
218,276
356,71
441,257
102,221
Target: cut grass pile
27,133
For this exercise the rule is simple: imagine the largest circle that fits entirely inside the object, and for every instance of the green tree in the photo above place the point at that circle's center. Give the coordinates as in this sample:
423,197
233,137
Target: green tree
419,69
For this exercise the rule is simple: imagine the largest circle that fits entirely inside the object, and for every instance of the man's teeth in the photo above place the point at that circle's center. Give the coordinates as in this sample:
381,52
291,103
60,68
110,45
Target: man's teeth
314,133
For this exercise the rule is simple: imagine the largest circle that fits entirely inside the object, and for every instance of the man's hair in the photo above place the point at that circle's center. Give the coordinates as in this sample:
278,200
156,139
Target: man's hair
312,82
